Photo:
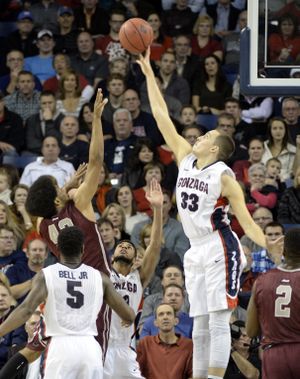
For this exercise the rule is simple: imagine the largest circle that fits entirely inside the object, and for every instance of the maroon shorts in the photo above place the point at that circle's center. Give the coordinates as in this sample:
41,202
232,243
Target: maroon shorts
281,362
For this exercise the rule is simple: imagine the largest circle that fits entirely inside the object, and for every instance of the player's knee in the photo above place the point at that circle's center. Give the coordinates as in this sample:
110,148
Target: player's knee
219,322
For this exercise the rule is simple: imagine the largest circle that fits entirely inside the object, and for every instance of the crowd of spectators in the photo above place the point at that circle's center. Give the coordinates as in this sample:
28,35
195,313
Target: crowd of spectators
54,55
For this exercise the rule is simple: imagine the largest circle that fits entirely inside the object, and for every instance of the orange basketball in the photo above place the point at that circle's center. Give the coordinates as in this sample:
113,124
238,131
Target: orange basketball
136,35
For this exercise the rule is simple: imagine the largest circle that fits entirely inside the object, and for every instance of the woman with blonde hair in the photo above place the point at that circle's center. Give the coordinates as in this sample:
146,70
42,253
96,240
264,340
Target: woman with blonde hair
115,213
7,218
204,43
70,96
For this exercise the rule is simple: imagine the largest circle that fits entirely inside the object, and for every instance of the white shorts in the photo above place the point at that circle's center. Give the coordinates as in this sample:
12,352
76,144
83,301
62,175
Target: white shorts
213,266
73,357
120,363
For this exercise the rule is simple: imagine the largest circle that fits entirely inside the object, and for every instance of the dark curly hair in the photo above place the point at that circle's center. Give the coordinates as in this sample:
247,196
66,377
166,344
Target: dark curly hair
41,197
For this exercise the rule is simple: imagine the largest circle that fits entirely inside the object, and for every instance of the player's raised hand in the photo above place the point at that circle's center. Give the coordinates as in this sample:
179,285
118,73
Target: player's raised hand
99,104
144,62
155,195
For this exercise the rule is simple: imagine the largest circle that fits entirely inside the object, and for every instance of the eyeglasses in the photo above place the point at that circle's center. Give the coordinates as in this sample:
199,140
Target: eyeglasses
261,218
7,238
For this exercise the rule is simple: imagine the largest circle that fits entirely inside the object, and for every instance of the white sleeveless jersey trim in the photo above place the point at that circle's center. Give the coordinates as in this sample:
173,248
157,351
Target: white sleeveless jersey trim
74,300
201,207
131,289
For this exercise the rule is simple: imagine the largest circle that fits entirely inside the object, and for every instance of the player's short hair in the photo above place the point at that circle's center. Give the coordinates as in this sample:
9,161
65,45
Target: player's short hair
292,244
172,285
155,313
127,241
226,147
70,241
40,201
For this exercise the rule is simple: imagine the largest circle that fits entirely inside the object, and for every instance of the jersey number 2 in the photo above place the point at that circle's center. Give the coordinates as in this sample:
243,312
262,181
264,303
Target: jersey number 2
77,299
282,302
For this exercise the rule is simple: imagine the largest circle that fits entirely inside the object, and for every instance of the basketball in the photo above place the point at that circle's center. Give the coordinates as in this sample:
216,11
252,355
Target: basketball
136,35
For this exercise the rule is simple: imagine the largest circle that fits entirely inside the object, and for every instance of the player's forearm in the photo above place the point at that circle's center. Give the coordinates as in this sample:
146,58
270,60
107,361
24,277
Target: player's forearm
246,367
255,233
157,227
17,318
20,290
97,144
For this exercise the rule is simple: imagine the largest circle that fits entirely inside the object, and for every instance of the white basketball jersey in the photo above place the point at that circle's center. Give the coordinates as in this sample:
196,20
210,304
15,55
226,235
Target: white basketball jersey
201,207
130,288
74,300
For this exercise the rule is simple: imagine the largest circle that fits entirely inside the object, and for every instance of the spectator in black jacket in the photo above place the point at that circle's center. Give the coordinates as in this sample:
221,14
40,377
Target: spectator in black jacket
11,130
289,205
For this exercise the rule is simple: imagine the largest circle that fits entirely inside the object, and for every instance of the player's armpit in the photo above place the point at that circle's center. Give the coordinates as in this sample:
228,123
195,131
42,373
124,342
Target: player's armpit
30,355
233,192
252,321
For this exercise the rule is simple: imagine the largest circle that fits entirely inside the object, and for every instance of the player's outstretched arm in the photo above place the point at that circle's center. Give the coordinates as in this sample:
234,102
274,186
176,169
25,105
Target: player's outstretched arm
152,253
22,313
116,302
16,363
83,196
178,144
252,321
233,192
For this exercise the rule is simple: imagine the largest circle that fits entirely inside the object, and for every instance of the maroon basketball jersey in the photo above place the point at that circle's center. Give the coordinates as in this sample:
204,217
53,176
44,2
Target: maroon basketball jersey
94,253
277,299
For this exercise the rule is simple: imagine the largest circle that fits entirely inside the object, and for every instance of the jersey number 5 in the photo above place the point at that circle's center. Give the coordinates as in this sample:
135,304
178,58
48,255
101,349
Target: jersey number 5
282,302
77,299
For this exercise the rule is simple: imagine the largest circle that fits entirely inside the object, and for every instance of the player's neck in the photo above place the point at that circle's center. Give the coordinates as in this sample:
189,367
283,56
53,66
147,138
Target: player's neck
70,262
122,268
291,265
204,162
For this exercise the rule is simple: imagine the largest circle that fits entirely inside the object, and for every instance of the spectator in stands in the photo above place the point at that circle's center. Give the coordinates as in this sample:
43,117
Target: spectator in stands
190,133
92,18
187,63
261,216
14,62
108,235
66,39
117,149
166,355
9,255
62,65
258,193
11,130
231,46
284,46
42,124
290,7
178,20
244,132
71,149
161,43
174,237
116,88
25,100
188,115
136,8
124,197
13,337
110,44
85,119
44,13
256,110
170,275
23,39
71,98
172,294
152,170
41,65
291,113
144,124
5,186
93,66
18,197
36,255
48,164
115,213
255,152
225,17
277,145
289,204
204,43
212,88
263,261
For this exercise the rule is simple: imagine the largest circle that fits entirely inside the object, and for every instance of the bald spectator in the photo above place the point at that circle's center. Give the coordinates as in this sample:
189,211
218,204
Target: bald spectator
92,18
48,164
23,38
25,101
71,149
93,66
